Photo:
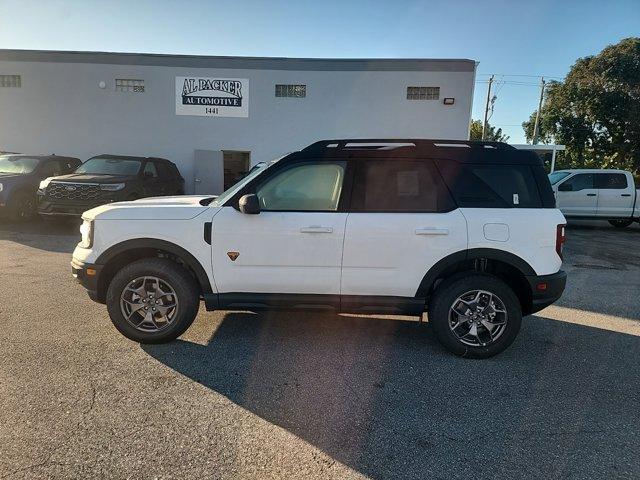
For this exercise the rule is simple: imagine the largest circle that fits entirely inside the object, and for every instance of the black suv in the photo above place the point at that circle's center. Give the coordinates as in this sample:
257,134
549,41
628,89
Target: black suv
19,179
105,179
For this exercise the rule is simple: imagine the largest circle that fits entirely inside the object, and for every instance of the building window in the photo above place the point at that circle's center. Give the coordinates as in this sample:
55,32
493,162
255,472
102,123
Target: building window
10,81
129,85
423,93
296,91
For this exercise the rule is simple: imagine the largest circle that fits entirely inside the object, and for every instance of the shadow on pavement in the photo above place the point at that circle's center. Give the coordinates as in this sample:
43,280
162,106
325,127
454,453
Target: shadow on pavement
59,236
382,397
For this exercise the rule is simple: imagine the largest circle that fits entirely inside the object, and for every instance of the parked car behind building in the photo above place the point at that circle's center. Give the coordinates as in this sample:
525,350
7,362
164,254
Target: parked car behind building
19,179
106,179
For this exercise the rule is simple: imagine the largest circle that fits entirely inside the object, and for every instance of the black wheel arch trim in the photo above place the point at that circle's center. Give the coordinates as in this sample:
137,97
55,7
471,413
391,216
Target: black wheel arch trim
164,245
474,253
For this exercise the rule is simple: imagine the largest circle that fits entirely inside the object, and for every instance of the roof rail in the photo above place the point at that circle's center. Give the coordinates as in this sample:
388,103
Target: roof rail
395,143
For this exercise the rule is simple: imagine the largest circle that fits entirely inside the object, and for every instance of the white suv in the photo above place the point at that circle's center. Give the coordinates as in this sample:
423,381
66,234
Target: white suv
466,231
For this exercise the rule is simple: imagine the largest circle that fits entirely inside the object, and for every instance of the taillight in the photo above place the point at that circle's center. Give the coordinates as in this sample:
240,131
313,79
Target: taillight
560,239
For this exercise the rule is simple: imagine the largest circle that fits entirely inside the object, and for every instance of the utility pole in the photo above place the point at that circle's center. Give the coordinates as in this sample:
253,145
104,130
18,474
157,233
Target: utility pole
486,109
536,125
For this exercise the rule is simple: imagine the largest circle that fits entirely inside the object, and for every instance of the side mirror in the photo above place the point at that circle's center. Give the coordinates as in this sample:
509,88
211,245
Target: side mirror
249,204
565,187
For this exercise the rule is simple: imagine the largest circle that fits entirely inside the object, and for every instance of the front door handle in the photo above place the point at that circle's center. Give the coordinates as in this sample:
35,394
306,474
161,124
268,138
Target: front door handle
316,229
591,194
625,195
431,231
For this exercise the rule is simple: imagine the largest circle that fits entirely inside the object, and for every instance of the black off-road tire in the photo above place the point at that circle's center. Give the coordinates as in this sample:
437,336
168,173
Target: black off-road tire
621,222
185,287
445,296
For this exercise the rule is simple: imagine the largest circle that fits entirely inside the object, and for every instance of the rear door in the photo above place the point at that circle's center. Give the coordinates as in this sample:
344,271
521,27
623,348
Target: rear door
402,221
577,196
615,194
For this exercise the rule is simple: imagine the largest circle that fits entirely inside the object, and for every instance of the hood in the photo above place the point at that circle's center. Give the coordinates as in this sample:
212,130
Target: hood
12,176
183,207
93,178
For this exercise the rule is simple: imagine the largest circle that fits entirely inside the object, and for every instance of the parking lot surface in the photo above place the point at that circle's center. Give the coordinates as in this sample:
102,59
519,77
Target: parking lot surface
298,395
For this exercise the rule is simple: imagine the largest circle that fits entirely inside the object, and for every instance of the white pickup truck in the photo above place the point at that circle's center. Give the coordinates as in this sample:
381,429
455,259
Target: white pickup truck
597,194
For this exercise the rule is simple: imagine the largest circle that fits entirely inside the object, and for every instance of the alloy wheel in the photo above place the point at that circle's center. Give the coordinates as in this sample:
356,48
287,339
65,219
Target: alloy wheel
478,318
149,304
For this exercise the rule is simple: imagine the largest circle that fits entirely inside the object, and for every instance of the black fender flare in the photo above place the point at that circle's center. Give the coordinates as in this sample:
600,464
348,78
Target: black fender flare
475,253
192,262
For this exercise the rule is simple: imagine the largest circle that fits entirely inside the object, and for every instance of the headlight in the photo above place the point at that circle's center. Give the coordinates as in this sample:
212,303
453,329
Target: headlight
44,183
86,230
112,187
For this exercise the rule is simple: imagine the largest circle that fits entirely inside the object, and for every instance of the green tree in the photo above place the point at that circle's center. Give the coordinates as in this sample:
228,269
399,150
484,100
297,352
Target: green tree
493,134
595,111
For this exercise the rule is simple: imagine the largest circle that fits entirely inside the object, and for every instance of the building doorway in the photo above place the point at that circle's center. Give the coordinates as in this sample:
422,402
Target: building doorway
236,164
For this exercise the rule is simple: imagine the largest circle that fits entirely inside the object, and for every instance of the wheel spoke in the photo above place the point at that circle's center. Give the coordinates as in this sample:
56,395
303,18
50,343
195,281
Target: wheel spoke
156,296
483,314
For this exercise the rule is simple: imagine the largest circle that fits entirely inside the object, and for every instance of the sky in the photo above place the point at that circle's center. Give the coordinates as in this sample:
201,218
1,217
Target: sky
517,41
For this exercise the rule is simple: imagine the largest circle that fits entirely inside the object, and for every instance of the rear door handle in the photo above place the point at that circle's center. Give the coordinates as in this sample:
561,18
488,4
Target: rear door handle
625,195
316,229
431,231
591,194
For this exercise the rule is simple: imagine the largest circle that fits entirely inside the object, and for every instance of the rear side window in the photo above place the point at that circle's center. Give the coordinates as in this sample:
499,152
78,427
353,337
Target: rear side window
491,186
164,170
398,185
611,181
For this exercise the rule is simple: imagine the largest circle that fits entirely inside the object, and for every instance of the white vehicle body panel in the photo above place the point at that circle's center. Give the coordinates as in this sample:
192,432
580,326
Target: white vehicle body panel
279,252
527,233
389,253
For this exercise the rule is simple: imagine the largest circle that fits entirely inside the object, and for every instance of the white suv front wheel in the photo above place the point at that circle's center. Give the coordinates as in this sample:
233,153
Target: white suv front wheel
475,316
153,300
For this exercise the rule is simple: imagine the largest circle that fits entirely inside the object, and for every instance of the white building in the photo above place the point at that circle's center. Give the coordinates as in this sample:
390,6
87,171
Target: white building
215,114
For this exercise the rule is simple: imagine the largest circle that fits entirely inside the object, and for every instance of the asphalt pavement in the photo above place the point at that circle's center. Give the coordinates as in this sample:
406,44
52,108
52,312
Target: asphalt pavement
299,395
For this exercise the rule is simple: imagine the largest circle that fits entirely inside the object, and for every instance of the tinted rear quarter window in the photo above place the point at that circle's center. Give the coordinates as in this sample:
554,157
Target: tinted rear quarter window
399,185
492,186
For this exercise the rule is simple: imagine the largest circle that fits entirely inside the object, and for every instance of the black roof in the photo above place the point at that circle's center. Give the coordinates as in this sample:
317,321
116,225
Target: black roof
462,151
45,157
130,157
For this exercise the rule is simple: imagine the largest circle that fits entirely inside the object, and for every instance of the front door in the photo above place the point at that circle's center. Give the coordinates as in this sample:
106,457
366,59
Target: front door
294,245
577,197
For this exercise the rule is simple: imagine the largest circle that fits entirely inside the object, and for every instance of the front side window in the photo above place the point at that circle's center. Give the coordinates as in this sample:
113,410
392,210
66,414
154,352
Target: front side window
51,169
110,166
398,185
611,181
581,181
17,165
304,187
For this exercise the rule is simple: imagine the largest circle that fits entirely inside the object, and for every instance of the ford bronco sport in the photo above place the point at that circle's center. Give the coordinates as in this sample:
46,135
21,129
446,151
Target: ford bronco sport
467,231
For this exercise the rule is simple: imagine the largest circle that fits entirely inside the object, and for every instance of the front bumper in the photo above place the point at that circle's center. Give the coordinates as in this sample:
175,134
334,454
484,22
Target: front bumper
546,289
87,275
50,208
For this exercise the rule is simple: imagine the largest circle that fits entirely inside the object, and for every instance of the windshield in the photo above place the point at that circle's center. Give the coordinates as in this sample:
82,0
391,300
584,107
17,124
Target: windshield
253,173
17,165
555,177
110,166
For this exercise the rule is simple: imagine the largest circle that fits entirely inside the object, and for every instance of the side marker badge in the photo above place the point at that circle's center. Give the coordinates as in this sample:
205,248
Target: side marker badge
233,255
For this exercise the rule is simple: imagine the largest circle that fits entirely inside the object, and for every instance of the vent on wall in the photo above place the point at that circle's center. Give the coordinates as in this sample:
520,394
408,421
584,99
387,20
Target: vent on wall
423,93
10,81
296,91
129,85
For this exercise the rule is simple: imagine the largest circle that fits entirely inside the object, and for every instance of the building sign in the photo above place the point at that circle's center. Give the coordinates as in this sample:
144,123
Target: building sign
212,97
